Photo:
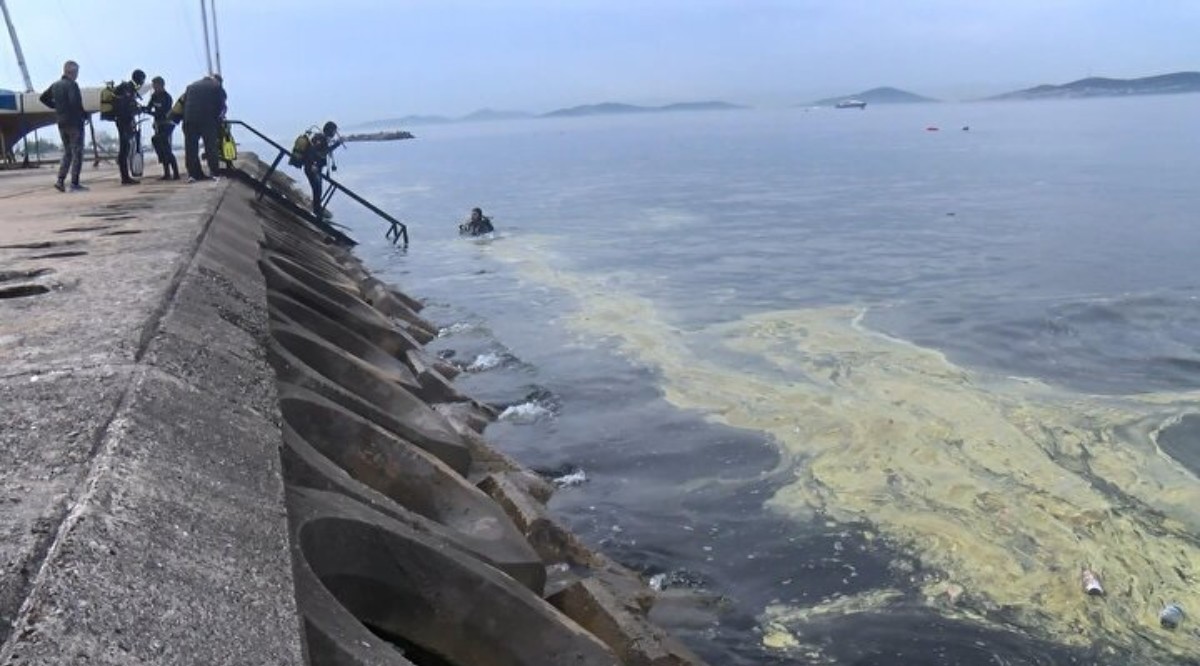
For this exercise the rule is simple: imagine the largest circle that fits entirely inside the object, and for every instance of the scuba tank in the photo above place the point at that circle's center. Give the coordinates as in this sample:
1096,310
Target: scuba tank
107,98
176,112
228,145
299,150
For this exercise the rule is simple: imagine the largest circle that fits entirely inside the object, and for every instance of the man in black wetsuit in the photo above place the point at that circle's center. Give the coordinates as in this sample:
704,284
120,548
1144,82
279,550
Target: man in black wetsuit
64,97
320,145
477,225
203,109
125,110
160,108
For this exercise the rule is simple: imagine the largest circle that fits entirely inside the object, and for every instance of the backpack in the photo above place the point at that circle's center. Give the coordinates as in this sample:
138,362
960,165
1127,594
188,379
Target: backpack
108,97
300,149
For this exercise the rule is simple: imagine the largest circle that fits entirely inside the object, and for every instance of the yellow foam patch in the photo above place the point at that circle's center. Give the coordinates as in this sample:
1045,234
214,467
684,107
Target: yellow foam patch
1008,487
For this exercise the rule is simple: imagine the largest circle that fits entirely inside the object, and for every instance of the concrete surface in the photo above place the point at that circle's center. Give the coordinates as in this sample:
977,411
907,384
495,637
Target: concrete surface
141,504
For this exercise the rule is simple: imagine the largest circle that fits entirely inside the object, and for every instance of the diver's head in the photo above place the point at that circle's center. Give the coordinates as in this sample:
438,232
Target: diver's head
330,129
158,83
138,77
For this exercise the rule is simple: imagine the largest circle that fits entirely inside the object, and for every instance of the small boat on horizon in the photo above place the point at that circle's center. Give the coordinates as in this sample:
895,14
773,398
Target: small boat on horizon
851,104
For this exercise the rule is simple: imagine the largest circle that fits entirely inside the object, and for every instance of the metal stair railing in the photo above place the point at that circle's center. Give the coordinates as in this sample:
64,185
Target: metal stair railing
397,231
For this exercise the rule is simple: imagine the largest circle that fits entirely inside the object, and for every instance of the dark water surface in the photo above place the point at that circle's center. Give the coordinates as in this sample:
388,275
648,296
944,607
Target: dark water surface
1051,242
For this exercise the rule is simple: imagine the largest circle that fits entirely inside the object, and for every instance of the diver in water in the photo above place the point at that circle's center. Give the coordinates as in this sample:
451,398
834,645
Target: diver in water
477,225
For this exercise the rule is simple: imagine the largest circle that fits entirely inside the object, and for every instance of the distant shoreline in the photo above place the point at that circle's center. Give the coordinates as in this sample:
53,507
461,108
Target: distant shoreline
1162,84
380,136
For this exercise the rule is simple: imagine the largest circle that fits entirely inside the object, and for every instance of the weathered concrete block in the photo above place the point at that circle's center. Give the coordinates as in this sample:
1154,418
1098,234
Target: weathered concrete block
300,360
391,341
434,386
328,448
342,342
372,287
348,310
421,592
622,627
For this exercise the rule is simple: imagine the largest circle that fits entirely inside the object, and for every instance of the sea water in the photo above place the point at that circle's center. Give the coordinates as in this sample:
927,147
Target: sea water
846,388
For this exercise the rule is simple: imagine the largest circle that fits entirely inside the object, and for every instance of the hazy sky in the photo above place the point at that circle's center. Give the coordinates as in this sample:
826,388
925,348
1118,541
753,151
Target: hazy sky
294,62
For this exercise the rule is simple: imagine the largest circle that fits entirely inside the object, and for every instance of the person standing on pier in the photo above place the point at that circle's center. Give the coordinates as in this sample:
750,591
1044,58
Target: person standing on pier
64,97
125,110
203,108
160,108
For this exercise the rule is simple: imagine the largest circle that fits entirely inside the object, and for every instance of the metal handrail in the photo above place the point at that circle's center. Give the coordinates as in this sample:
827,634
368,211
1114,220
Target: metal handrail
397,231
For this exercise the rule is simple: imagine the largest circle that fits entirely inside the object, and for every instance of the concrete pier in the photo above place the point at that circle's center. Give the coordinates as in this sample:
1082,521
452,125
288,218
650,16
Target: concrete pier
141,502
223,443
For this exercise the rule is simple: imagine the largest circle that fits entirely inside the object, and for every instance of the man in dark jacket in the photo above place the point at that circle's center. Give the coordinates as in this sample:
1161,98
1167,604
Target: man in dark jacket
125,110
203,109
64,97
160,109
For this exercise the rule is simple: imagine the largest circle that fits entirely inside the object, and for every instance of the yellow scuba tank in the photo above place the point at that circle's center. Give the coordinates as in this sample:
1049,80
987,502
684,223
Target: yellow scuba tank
299,150
176,112
228,145
107,97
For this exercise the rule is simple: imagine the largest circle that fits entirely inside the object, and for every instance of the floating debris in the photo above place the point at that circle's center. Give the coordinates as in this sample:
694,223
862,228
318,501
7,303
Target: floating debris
1171,616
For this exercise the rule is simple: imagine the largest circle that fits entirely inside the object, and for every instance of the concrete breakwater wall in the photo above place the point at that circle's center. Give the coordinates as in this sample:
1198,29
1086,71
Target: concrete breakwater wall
286,476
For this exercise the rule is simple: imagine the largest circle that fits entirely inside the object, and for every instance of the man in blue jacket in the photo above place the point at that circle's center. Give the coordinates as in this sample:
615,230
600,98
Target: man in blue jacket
64,97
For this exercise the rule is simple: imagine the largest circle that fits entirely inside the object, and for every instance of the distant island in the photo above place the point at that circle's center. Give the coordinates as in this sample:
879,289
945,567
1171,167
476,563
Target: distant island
1163,84
484,115
380,136
614,108
883,95
487,115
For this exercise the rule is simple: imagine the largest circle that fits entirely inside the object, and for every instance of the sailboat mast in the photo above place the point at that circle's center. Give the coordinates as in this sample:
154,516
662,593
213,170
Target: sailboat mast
216,37
12,33
207,51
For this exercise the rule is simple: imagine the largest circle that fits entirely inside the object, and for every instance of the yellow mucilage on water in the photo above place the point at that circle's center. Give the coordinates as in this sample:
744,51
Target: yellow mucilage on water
1007,487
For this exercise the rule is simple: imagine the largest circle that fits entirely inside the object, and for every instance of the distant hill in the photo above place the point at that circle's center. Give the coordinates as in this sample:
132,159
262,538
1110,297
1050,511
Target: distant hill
492,114
587,110
1163,84
614,108
883,95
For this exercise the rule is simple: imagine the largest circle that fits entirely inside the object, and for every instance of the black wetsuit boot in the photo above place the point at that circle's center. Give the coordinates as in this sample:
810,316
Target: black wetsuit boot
124,134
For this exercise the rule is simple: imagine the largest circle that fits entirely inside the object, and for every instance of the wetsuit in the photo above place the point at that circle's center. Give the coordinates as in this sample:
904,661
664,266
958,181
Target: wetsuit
160,108
477,228
202,110
125,109
315,158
